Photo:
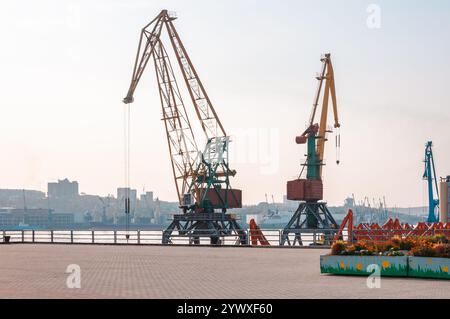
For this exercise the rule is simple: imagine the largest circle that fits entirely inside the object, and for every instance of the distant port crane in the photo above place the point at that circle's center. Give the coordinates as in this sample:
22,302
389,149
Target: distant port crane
202,178
430,176
312,213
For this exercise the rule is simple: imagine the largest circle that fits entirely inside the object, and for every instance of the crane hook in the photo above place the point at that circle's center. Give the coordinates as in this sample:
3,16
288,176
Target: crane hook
338,146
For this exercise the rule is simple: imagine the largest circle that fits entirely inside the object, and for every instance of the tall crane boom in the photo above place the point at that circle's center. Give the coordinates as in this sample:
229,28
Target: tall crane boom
202,178
180,137
185,155
150,35
311,213
328,76
205,111
319,130
149,38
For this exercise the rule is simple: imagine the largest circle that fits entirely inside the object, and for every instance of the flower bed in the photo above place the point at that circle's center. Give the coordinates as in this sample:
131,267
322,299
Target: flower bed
427,257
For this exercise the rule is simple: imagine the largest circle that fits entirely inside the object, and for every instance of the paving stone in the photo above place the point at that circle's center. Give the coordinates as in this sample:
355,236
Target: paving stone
38,271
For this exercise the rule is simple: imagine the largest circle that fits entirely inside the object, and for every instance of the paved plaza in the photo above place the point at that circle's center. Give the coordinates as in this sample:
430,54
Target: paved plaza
39,271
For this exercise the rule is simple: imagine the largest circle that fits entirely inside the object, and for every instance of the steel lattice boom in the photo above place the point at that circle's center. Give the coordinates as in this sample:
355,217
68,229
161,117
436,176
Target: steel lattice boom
202,178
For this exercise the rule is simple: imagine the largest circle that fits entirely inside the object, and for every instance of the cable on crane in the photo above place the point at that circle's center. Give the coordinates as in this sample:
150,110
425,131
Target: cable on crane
127,122
338,145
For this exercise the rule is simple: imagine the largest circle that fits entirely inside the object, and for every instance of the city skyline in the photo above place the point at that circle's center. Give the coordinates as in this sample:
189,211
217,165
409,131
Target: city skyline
62,105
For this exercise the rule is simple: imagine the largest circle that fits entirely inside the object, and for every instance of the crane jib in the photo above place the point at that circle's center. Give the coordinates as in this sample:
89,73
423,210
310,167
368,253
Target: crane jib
184,153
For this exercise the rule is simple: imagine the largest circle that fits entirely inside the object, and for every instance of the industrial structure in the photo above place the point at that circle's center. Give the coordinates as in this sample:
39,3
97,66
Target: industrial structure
444,198
202,178
312,213
430,176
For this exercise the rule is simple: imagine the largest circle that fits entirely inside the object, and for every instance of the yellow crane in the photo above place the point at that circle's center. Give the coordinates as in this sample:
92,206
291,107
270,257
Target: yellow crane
312,213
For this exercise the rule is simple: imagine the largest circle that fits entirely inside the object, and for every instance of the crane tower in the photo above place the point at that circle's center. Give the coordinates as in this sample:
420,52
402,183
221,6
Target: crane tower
430,176
202,177
312,213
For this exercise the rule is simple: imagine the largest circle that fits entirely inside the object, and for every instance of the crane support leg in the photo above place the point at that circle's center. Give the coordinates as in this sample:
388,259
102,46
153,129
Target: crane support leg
194,226
310,217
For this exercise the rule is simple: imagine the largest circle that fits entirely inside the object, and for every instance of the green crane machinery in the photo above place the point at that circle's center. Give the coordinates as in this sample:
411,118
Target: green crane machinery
202,178
430,176
312,213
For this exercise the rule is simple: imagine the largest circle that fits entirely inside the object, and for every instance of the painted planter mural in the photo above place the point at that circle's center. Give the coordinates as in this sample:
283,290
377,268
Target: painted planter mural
428,267
357,265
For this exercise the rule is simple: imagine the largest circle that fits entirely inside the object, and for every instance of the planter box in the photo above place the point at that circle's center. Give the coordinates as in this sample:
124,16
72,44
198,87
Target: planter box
357,265
428,267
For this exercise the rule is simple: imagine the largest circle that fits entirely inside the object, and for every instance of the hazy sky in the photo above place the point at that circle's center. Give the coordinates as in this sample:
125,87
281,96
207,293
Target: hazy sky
66,65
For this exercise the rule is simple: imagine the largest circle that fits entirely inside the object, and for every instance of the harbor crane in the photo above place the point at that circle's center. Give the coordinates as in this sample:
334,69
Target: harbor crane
430,176
202,178
312,213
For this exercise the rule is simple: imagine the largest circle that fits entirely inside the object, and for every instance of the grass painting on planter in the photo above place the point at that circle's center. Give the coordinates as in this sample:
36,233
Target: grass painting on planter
430,259
358,265
427,257
429,267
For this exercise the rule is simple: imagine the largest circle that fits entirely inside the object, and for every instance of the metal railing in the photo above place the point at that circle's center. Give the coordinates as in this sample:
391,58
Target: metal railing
150,237
384,235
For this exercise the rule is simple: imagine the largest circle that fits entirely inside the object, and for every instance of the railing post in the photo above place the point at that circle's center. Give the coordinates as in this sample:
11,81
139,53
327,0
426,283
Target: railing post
279,237
32,236
71,236
4,234
139,237
93,237
247,237
23,236
115,237
51,236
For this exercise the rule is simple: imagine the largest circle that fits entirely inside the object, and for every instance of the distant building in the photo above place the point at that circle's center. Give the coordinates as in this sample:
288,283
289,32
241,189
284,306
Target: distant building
444,207
34,217
123,191
63,189
349,202
289,204
61,220
147,198
13,194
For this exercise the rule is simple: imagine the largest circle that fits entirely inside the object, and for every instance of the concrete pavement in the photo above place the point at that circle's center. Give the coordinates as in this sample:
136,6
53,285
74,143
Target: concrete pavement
38,271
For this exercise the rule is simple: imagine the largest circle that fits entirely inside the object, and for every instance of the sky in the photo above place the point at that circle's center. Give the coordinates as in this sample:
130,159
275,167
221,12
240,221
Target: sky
65,66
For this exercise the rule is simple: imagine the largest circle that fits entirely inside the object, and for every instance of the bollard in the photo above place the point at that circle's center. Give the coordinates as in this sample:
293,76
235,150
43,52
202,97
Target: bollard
23,236
51,236
115,237
139,237
32,236
71,236
93,237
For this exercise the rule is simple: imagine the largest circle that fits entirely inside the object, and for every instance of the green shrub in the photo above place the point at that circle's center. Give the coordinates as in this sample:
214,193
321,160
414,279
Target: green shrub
407,244
442,250
338,247
438,238
423,249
